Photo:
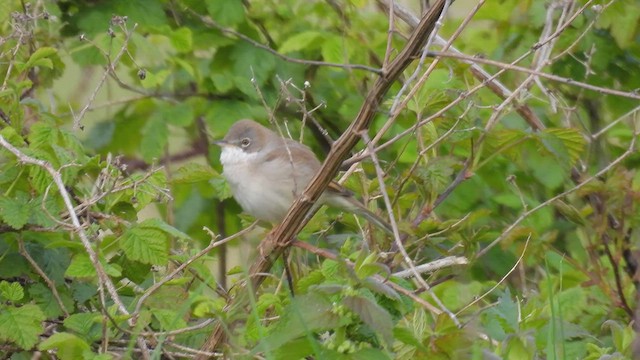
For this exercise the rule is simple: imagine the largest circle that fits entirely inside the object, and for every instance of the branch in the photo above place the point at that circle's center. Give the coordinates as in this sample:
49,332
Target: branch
280,238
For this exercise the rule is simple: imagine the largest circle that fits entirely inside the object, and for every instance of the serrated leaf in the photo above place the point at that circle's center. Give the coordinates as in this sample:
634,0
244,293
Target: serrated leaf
155,223
192,173
81,266
221,187
572,140
42,134
44,298
21,325
406,336
15,210
69,346
11,291
301,41
146,245
87,325
373,315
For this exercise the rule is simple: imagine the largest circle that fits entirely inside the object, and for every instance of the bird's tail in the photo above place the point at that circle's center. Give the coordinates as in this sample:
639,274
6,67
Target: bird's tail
350,203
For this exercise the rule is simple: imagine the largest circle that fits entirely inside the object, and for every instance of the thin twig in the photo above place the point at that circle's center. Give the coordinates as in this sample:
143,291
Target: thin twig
52,286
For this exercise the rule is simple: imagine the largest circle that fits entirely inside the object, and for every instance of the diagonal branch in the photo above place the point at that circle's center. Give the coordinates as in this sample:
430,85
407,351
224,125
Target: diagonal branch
280,238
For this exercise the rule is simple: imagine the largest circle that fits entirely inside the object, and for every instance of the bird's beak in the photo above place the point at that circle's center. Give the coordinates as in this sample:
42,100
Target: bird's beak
221,143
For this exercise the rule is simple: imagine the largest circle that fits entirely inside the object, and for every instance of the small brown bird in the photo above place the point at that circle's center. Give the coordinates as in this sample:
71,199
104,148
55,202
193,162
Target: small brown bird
267,173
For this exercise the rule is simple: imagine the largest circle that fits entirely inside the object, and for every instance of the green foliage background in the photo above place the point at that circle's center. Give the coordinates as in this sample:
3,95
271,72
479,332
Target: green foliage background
121,98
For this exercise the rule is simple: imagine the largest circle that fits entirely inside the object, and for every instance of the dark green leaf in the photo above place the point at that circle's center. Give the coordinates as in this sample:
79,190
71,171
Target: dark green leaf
373,315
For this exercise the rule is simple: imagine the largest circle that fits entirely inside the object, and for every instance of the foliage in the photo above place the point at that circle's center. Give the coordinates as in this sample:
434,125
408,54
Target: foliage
107,180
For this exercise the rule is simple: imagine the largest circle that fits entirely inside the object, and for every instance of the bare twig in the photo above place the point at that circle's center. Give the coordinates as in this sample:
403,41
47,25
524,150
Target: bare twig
77,119
433,266
52,286
567,81
209,22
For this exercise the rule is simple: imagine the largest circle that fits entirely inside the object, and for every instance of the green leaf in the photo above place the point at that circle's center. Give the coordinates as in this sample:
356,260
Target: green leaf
182,39
334,50
146,245
15,211
44,298
69,346
169,319
21,325
221,187
11,291
39,58
42,134
305,313
300,41
155,136
87,325
226,12
192,173
572,141
179,115
81,266
155,223
373,315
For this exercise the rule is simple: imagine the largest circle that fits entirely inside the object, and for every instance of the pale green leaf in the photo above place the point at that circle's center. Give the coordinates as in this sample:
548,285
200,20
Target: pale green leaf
182,39
155,223
81,266
21,325
11,291
40,54
192,173
334,51
68,346
146,245
15,210
301,41
221,187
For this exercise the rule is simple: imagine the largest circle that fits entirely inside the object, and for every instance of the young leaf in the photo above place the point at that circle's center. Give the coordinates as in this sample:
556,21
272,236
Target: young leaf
11,291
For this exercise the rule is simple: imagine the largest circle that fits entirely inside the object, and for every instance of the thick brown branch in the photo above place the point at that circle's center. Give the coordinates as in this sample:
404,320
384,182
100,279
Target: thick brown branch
280,238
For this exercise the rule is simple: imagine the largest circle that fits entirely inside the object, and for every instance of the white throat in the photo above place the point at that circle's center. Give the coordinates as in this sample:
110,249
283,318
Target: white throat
232,155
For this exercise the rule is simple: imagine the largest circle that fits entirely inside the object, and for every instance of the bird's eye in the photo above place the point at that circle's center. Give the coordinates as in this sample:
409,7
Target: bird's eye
245,142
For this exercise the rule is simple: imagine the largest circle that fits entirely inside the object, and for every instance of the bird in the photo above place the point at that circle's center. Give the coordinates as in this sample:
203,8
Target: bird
267,172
